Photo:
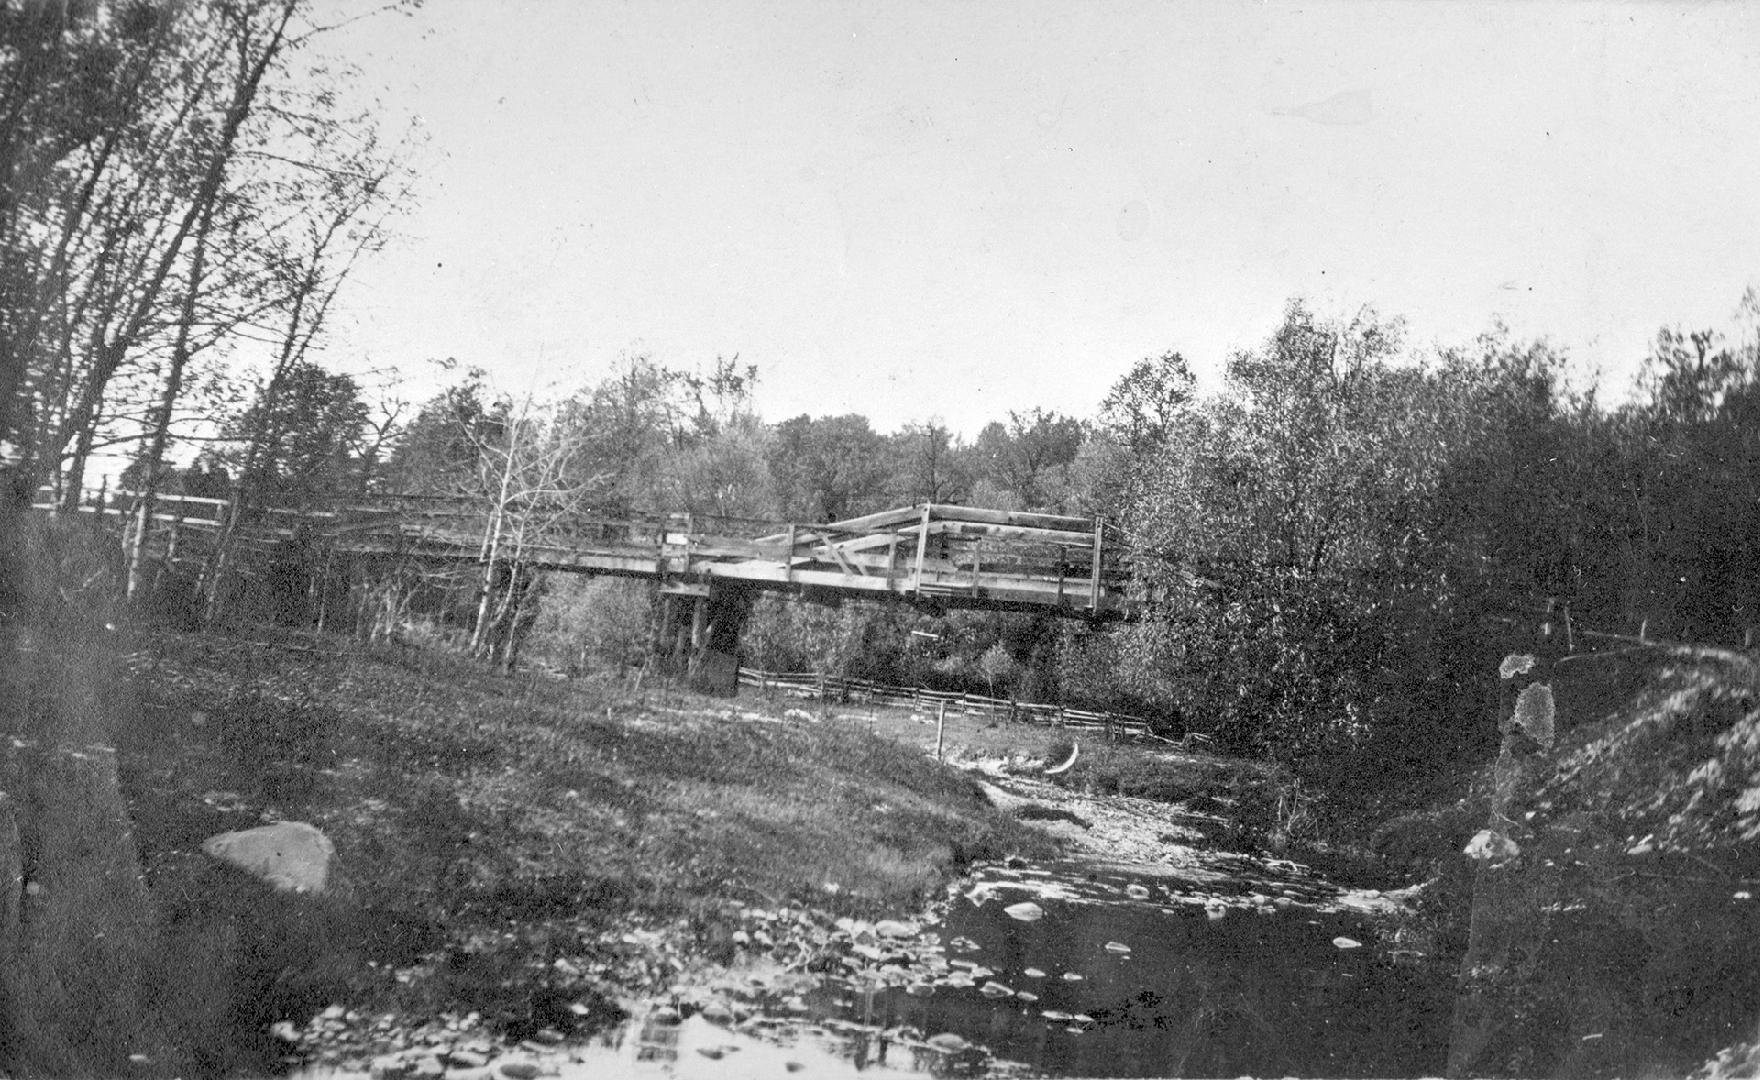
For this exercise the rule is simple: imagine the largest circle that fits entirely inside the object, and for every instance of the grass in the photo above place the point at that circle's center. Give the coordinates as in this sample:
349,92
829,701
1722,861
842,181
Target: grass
489,827
1257,804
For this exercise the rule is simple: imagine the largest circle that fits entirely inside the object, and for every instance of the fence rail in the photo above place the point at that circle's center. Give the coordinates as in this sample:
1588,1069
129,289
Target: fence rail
810,685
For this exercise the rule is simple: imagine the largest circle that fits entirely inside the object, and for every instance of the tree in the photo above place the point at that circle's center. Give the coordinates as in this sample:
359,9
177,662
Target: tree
722,474
1026,462
1138,418
1141,409
301,439
440,451
929,465
527,474
827,469
998,663
1276,532
251,39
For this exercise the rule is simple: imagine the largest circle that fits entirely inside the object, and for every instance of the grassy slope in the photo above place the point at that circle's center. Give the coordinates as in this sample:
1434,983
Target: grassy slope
503,824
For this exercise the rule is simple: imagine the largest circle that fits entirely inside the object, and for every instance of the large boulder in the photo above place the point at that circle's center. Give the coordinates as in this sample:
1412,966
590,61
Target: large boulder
290,855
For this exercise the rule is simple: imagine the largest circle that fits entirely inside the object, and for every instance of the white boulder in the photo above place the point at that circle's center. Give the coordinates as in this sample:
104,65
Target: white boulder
290,855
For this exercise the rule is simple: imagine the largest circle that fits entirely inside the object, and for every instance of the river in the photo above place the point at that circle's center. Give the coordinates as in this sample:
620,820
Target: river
1183,961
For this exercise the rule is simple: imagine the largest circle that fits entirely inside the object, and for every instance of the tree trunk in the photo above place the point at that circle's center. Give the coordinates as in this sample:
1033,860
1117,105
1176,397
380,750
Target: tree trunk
220,562
160,435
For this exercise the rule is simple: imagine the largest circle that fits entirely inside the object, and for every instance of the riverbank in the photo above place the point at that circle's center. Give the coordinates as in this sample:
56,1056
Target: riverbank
514,855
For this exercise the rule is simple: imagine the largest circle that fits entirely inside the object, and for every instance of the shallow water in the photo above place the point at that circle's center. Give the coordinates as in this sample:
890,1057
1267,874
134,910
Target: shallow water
1264,976
1264,970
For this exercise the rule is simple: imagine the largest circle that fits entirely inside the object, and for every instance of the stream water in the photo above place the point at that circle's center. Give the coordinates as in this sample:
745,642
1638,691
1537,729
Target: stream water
1066,969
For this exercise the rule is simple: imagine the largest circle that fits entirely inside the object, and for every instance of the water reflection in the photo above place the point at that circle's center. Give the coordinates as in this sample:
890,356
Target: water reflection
1134,976
1062,970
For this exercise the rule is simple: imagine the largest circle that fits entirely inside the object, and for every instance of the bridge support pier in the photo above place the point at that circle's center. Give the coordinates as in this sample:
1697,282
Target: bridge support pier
697,636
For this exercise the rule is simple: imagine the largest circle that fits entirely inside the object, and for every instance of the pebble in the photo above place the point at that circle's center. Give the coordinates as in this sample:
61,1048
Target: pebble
466,1059
518,1070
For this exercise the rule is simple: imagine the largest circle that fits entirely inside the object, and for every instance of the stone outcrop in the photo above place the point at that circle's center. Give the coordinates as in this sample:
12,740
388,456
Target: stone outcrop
1614,930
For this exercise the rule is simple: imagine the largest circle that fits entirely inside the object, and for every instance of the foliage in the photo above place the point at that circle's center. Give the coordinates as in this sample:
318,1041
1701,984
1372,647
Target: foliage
594,623
1026,462
930,464
998,663
439,452
1293,498
180,187
849,639
306,438
827,469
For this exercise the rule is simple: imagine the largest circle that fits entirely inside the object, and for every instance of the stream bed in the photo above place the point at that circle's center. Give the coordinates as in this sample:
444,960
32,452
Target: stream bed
1225,966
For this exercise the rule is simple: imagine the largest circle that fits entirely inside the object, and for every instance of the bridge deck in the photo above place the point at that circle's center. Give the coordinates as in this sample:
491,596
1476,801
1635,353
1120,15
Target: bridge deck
954,555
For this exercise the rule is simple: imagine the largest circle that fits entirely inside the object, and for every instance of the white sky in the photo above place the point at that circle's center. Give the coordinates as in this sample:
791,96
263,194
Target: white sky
955,209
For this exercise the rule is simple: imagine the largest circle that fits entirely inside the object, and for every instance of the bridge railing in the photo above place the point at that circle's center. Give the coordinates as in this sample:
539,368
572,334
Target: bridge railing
961,548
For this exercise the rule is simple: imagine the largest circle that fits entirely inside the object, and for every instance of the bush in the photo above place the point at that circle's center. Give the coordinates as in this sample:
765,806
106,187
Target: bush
593,622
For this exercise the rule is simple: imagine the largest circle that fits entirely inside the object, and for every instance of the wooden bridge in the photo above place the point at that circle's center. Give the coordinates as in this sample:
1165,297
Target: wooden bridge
948,556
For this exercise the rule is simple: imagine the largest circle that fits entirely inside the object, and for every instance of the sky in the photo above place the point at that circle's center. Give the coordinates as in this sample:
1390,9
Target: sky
956,209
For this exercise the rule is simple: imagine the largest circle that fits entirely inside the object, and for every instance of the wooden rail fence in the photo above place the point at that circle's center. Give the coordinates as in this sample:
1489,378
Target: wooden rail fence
1114,726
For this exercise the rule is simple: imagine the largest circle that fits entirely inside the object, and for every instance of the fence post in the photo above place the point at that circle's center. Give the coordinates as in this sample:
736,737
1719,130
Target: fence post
940,728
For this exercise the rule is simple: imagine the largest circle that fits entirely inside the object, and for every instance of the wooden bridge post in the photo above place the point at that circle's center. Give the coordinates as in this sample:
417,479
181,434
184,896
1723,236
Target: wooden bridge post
662,624
922,550
699,623
1099,540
